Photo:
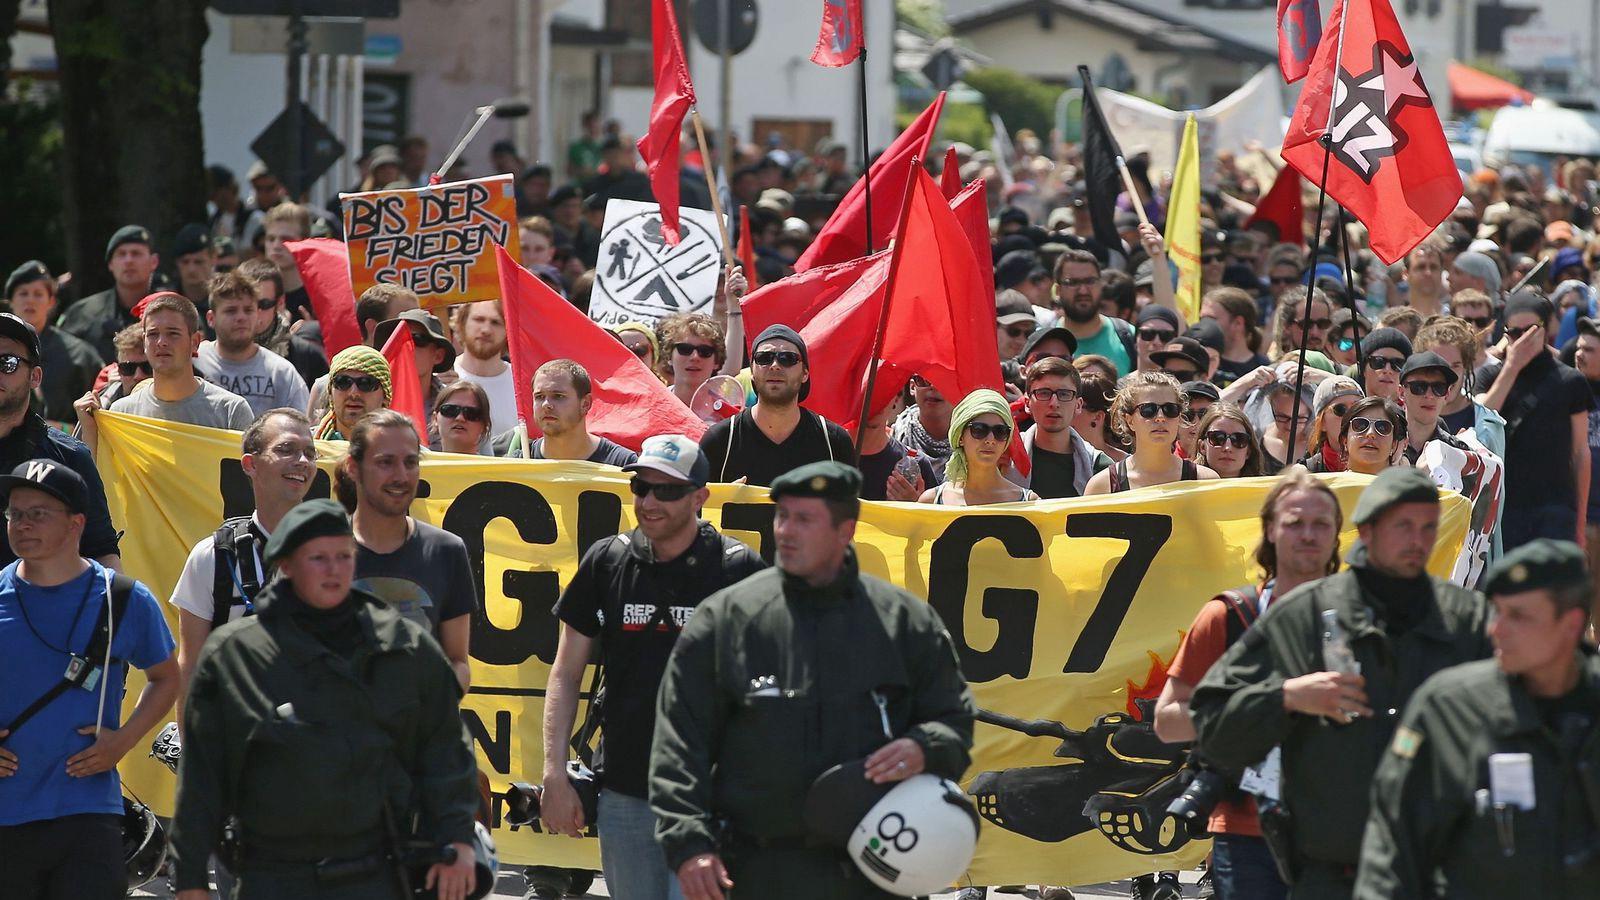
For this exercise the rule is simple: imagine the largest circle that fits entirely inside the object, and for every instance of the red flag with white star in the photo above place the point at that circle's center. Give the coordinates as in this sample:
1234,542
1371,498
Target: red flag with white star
1390,166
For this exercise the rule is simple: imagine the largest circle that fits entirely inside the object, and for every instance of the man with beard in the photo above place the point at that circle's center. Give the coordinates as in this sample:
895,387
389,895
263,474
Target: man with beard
561,403
1063,462
235,361
72,363
1292,327
1077,294
423,572
481,330
775,434
24,436
131,257
1425,279
359,383
632,595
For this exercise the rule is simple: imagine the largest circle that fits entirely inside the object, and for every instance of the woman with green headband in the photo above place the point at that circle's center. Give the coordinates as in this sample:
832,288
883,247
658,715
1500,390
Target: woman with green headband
1147,411
980,430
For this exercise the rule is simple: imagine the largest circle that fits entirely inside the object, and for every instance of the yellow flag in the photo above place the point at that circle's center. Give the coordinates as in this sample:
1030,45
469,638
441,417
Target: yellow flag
1183,222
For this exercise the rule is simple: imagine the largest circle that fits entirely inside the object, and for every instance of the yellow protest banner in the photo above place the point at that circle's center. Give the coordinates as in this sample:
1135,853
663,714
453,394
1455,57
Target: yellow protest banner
1065,614
436,240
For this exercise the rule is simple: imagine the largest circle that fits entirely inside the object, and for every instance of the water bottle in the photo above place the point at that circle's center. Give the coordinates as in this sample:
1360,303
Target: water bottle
908,467
1336,653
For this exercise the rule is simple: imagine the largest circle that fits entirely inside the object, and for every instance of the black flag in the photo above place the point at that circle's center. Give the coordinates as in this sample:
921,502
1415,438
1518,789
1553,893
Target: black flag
1101,176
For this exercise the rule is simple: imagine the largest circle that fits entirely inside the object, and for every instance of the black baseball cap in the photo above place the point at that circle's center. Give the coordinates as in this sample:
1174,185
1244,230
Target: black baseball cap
1059,333
13,327
1424,361
51,477
1186,349
1202,389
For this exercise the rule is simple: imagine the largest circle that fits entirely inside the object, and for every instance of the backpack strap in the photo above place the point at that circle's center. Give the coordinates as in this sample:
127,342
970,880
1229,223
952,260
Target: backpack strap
1191,472
1242,606
1125,332
1119,476
235,556
583,745
823,424
82,669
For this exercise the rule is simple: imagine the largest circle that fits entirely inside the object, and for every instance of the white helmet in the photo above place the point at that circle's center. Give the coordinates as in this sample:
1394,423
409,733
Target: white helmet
168,747
918,839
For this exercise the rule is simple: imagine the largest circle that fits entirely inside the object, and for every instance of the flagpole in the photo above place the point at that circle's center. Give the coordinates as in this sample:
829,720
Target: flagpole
883,311
1133,192
1350,286
866,161
711,185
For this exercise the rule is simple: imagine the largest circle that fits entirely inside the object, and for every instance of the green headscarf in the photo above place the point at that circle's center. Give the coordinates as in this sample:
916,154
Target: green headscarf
974,405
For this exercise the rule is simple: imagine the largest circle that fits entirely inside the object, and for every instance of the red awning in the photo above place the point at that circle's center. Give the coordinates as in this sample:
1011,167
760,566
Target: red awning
1474,89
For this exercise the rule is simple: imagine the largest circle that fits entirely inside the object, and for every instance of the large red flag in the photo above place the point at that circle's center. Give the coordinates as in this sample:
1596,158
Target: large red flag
1282,207
630,402
1391,165
841,37
324,266
796,300
844,236
1299,32
971,206
674,95
405,384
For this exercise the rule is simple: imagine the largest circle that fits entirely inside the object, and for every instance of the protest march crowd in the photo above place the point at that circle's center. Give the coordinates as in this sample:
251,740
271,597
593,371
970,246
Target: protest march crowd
1356,725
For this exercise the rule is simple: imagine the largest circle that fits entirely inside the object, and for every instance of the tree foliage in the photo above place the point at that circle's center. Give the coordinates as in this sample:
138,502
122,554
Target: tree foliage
1021,102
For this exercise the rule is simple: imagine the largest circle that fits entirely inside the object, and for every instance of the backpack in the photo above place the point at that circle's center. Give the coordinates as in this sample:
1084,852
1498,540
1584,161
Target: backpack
236,556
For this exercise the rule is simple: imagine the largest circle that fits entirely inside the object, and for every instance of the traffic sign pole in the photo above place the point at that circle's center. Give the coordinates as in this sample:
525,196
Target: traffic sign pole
295,167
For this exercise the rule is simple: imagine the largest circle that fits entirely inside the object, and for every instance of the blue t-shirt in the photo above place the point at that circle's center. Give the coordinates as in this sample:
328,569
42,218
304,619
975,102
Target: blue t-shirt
38,625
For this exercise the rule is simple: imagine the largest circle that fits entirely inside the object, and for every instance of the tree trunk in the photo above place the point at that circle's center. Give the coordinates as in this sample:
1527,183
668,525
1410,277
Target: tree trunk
130,112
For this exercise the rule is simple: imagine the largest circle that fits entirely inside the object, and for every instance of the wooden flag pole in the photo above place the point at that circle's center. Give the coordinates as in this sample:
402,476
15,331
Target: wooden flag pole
711,185
1133,192
883,311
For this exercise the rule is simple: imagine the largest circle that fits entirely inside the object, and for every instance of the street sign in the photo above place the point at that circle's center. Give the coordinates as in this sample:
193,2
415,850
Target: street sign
943,68
319,148
742,21
365,9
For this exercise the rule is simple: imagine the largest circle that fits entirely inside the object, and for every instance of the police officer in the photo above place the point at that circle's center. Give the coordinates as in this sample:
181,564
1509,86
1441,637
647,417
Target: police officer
1492,781
1277,687
776,679
324,727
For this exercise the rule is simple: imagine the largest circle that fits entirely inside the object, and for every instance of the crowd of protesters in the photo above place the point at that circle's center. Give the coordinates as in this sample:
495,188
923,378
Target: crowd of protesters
1484,339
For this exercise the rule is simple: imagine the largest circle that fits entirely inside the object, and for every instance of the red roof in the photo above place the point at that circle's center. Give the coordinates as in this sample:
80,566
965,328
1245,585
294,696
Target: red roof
1474,89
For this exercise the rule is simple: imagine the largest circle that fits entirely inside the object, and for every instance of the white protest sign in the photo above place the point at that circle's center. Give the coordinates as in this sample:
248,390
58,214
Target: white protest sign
640,278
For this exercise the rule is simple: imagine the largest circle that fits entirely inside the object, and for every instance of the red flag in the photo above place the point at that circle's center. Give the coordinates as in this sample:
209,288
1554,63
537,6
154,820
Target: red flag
1391,165
950,175
405,384
674,95
840,40
747,249
844,235
1282,207
324,266
1299,32
796,300
630,402
971,206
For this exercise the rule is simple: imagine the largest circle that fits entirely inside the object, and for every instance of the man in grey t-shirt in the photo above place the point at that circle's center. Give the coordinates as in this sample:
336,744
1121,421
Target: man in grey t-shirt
235,361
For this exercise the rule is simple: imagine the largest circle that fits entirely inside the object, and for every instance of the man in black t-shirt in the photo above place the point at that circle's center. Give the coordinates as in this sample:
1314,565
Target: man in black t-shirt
633,593
1063,462
776,434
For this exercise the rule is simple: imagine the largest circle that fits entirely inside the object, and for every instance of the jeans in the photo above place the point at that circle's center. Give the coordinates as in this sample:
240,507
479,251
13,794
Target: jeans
1242,869
1519,526
67,858
633,863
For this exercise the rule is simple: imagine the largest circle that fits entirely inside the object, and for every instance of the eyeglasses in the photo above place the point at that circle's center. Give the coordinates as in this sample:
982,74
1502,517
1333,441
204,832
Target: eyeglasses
1380,427
130,369
785,358
1379,363
666,493
1043,395
1078,282
35,516
704,351
1339,409
457,411
1219,439
982,431
1156,335
1018,331
1511,335
366,384
1478,322
1315,324
1285,281
264,305
10,362
1210,259
1419,388
1163,410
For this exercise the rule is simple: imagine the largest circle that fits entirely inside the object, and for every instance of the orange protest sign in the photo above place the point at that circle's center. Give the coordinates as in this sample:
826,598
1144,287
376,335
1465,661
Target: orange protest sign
436,240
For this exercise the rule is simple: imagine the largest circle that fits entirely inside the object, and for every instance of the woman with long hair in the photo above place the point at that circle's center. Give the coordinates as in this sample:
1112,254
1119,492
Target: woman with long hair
981,428
1228,443
1148,409
1328,411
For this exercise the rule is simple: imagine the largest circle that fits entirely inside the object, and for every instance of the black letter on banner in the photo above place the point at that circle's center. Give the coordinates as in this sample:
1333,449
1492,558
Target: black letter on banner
1145,534
239,500
496,747
1015,609
536,629
755,517
599,517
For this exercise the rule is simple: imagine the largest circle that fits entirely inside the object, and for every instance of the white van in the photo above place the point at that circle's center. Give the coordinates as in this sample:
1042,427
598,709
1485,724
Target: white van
1534,135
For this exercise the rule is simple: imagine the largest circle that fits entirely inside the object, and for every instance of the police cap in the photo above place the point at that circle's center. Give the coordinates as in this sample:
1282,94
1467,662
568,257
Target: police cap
1393,486
1539,564
828,480
307,521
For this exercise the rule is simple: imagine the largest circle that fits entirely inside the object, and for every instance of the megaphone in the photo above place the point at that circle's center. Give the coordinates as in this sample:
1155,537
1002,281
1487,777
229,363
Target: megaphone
721,397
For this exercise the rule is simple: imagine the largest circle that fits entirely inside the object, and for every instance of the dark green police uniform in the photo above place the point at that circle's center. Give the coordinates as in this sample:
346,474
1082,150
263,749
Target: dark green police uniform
772,682
303,725
1401,631
1434,811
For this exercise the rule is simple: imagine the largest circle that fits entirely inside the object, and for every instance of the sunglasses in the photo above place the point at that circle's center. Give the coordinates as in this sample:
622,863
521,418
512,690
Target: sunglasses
785,358
1345,345
366,384
1182,375
10,362
1210,259
1078,282
1044,395
666,493
457,411
1339,409
982,431
1018,331
1192,415
1163,410
1220,439
1479,322
1380,427
1379,363
1317,324
1422,388
704,351
640,351
1157,335
264,305
130,369
1515,333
